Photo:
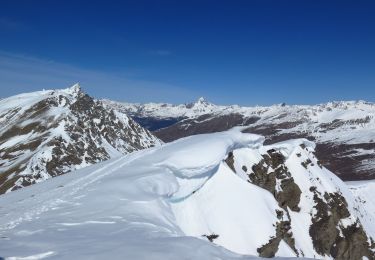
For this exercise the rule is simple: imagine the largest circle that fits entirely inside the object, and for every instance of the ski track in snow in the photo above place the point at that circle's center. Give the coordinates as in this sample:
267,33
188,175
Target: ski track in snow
75,186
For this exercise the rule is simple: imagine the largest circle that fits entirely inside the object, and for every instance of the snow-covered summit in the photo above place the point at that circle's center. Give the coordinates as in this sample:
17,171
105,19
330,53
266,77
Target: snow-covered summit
201,100
321,113
165,110
214,196
50,132
73,90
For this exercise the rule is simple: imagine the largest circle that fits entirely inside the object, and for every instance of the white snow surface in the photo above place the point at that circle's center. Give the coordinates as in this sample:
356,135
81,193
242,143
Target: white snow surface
364,193
159,203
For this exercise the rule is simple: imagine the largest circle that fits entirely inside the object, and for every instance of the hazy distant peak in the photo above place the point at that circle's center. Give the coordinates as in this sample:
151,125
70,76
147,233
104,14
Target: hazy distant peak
73,90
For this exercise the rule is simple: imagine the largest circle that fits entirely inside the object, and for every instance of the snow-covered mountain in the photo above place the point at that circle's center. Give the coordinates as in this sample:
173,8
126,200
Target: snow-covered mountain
165,110
47,133
213,196
344,131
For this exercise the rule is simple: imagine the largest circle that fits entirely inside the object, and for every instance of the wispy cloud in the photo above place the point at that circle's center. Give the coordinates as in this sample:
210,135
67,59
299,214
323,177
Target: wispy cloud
20,73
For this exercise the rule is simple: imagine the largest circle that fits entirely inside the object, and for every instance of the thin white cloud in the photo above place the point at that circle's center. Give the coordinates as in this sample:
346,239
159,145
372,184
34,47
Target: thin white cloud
20,73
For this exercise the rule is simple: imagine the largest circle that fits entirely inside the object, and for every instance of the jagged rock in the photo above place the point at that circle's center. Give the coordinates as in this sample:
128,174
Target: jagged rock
330,237
230,161
262,178
353,244
306,163
48,133
268,172
290,194
282,233
211,237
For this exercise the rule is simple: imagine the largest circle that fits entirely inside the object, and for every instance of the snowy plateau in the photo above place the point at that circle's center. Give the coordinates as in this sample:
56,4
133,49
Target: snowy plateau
119,192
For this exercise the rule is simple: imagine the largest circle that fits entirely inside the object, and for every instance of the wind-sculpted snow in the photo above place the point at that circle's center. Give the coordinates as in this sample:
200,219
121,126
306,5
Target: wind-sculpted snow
280,229
178,201
182,158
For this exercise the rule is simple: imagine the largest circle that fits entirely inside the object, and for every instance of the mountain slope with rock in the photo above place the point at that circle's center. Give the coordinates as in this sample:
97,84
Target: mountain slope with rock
224,195
343,131
47,133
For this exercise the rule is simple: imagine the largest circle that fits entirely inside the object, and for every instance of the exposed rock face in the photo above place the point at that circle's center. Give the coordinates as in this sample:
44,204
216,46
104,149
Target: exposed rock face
272,174
211,237
230,161
282,233
335,230
328,234
48,133
343,131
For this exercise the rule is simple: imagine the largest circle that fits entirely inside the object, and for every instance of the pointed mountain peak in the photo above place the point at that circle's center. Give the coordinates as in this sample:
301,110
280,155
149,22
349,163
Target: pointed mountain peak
74,90
202,101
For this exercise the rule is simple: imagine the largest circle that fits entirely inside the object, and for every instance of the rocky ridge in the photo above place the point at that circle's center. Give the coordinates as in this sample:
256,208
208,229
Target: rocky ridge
334,224
48,133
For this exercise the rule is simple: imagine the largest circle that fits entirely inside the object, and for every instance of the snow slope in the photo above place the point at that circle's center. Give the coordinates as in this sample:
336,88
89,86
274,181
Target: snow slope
166,203
51,132
364,193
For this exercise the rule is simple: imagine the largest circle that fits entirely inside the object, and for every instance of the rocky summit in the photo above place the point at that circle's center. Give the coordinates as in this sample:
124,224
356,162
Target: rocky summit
48,133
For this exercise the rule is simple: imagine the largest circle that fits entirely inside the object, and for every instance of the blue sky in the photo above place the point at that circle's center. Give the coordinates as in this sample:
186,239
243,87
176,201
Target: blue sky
244,52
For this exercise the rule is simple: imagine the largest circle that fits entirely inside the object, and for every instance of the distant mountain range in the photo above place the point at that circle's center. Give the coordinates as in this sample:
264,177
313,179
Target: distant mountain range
47,133
343,131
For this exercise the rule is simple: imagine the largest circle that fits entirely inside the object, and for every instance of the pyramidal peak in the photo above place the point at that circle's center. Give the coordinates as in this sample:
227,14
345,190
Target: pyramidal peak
73,90
199,103
202,101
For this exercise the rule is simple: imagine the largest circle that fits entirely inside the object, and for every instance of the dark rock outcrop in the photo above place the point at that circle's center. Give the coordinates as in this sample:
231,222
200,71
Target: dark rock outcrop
282,233
271,170
230,161
211,237
330,237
